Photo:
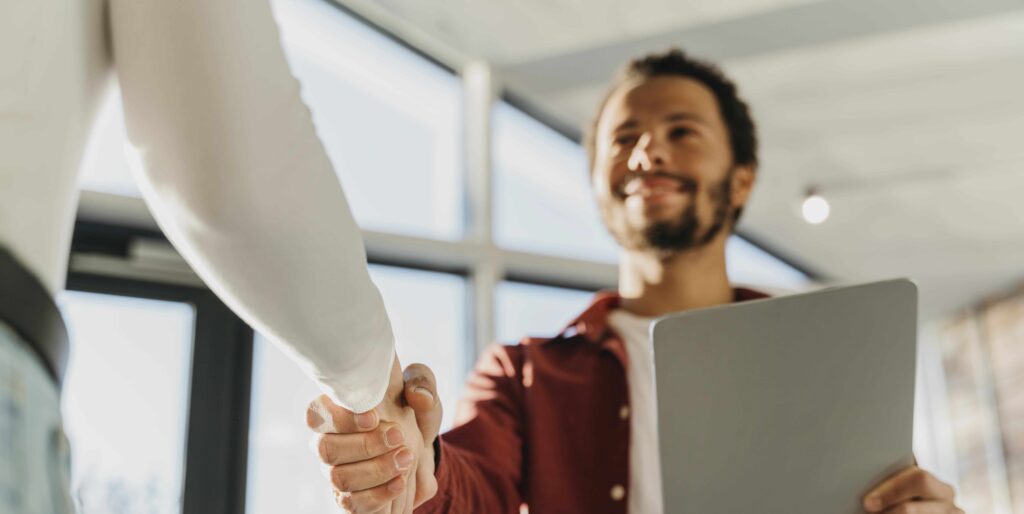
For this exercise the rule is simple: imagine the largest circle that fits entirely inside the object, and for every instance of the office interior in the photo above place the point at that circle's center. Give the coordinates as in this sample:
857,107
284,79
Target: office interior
890,148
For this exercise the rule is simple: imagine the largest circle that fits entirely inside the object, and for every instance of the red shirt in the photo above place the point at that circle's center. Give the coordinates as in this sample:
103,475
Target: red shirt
544,423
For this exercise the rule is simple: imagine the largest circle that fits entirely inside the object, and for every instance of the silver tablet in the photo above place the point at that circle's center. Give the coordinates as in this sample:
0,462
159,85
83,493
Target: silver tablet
794,405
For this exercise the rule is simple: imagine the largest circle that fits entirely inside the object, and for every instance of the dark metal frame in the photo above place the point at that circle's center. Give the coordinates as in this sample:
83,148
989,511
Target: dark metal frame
219,392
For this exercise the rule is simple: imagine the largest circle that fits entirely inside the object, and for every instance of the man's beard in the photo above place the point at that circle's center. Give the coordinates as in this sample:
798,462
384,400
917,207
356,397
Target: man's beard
683,233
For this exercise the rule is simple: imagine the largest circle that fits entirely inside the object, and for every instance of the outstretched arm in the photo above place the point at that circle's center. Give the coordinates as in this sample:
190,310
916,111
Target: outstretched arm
231,167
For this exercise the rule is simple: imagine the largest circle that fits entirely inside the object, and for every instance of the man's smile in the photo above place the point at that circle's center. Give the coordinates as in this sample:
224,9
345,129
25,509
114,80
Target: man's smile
655,187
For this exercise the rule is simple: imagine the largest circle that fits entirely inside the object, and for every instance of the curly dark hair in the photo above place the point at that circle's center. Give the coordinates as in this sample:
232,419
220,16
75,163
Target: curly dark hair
676,63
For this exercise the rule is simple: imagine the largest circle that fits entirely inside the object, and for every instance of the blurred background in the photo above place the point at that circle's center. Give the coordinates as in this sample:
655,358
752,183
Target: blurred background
891,147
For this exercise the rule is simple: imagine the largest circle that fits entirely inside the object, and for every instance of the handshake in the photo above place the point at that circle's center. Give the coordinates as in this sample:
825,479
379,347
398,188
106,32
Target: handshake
389,466
382,467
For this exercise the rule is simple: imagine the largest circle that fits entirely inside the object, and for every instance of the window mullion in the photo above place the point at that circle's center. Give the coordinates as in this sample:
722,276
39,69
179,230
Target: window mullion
478,97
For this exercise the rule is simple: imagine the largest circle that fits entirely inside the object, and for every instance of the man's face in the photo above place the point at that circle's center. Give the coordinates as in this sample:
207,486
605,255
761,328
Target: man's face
663,172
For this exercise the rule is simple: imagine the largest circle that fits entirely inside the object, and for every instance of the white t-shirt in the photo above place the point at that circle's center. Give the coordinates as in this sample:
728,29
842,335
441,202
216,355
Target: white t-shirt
644,459
229,164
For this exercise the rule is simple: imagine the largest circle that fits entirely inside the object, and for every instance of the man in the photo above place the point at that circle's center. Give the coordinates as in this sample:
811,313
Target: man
568,424
234,174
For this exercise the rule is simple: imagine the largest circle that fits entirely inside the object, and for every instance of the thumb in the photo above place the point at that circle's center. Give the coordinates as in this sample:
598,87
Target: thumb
421,395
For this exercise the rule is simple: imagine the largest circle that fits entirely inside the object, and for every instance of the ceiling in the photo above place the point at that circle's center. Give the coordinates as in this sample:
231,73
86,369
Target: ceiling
907,114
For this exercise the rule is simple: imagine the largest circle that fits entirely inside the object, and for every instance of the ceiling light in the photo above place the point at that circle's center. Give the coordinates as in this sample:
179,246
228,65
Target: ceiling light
815,208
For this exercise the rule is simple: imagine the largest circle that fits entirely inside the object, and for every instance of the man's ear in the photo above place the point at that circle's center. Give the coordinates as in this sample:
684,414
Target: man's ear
743,178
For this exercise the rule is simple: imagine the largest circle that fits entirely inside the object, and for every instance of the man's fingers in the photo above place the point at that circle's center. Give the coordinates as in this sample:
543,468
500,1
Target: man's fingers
410,496
324,416
373,472
913,483
420,387
421,395
929,507
374,499
398,506
336,449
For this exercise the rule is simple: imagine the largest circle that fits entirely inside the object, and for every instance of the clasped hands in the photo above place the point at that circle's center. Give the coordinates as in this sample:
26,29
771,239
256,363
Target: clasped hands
381,461
387,466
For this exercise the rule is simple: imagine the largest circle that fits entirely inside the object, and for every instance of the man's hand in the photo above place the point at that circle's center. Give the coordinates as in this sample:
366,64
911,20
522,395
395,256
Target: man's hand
382,460
911,491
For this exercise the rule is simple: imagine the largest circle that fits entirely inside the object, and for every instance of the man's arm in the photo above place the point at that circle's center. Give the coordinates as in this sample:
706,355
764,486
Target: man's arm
480,461
232,169
480,466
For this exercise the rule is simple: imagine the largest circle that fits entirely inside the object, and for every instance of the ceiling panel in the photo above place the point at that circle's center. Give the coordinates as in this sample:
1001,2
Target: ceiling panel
907,113
511,32
915,139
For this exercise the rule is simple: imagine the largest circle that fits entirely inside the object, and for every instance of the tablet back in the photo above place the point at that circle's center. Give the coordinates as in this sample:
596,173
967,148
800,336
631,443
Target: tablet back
793,405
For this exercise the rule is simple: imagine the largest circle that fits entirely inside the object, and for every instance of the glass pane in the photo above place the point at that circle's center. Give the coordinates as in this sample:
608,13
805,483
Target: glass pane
390,120
542,196
532,310
104,165
125,401
752,266
428,315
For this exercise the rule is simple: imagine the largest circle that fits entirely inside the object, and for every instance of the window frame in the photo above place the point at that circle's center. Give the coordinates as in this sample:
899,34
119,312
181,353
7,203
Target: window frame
219,385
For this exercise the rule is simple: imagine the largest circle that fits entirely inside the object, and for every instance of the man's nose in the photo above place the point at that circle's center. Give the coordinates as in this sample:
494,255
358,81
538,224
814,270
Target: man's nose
648,154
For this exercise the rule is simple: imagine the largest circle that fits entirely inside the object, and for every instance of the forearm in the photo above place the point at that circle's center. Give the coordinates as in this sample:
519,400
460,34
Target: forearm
234,174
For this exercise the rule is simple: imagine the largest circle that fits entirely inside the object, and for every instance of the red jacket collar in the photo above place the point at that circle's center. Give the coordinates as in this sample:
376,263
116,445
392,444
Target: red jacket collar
592,324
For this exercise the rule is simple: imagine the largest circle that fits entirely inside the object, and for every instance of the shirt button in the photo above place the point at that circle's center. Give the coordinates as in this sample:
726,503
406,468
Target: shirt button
618,492
624,412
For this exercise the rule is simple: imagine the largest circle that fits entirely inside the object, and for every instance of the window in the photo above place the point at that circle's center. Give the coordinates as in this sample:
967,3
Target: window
427,313
389,119
532,310
752,266
542,197
125,401
104,165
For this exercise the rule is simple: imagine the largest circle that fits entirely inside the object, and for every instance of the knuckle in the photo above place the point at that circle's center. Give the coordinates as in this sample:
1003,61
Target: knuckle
320,415
372,500
385,465
312,415
345,502
918,480
356,507
384,494
366,445
323,449
340,480
904,508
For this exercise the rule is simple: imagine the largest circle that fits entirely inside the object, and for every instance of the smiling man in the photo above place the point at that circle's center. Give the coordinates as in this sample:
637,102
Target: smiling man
568,424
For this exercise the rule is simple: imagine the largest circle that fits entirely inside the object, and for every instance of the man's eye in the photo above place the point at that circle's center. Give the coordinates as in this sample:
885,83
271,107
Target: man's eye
625,140
679,132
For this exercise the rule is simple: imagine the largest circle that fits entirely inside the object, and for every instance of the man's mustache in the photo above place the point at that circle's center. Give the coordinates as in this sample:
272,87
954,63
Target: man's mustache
686,184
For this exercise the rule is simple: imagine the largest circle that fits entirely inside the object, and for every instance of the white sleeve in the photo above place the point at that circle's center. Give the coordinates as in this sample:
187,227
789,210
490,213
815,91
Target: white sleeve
232,169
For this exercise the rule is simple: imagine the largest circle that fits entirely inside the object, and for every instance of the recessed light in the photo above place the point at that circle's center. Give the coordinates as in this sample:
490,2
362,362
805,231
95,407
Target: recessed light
815,208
